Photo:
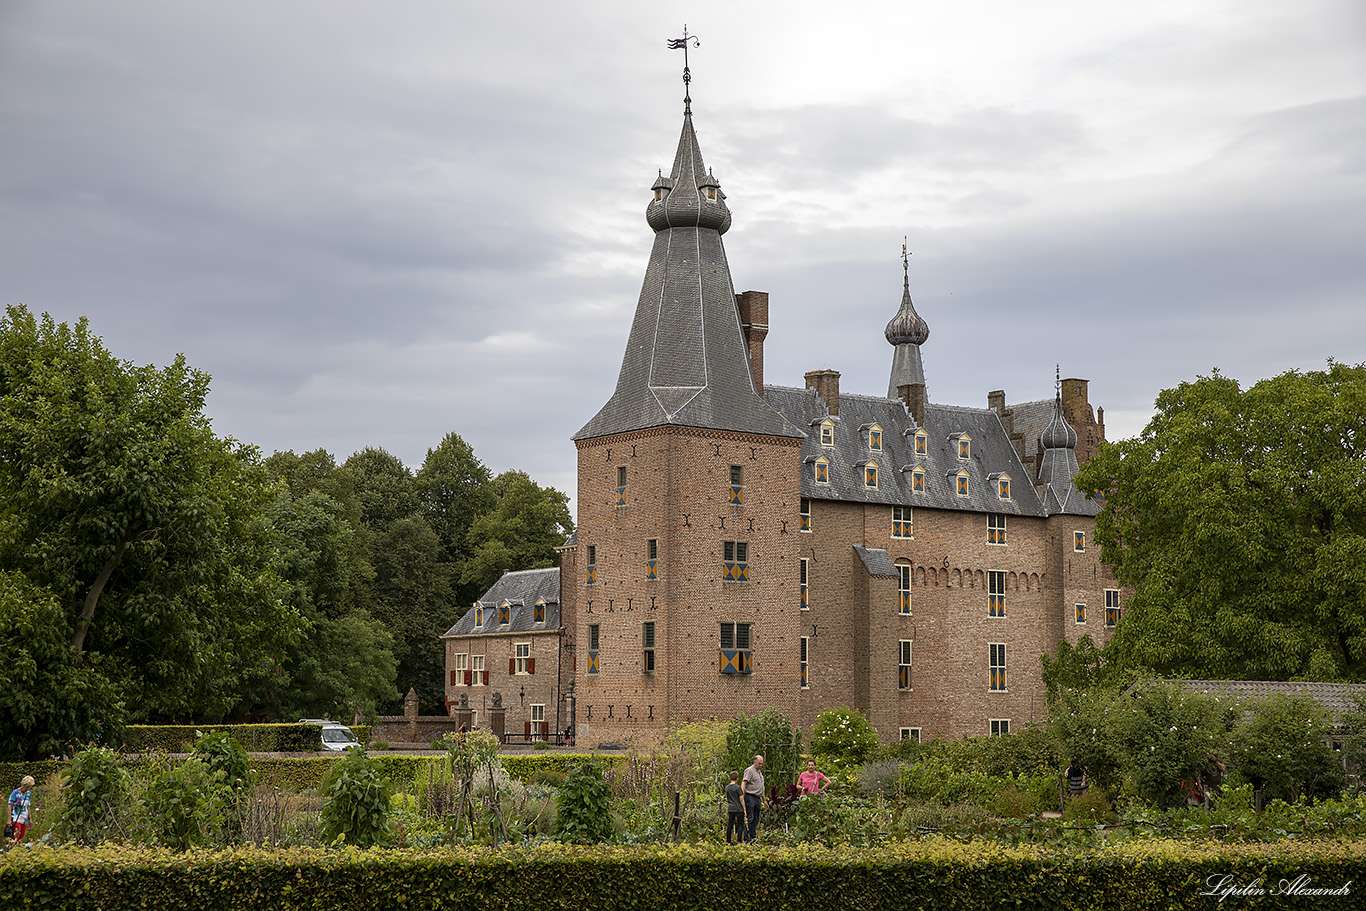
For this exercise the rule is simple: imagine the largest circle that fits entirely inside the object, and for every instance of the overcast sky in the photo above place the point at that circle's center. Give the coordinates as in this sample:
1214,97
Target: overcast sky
375,223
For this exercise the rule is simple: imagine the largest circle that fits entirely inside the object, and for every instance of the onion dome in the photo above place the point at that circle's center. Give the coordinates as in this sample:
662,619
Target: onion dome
693,197
907,327
1058,434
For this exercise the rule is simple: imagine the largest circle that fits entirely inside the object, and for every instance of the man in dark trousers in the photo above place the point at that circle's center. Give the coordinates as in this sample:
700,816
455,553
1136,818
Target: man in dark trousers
754,796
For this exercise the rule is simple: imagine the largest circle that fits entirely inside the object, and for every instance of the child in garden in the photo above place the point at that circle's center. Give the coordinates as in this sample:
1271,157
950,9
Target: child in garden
735,808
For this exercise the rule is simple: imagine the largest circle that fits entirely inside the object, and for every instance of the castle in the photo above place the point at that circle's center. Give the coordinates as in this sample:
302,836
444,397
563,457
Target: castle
743,547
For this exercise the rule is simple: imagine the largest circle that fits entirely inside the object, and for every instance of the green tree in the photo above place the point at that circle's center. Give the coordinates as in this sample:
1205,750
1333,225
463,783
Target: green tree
843,738
521,530
769,734
412,592
1162,734
453,490
1281,744
148,529
1238,518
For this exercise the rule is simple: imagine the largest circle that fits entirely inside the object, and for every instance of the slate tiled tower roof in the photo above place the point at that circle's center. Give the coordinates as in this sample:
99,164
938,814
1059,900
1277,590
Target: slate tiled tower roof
685,360
1058,466
907,331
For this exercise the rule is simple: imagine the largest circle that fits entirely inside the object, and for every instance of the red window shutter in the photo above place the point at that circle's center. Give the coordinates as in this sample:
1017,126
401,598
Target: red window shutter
512,665
467,678
531,665
486,678
453,680
528,730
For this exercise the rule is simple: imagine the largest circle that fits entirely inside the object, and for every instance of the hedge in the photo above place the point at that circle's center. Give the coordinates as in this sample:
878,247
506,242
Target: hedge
939,873
257,738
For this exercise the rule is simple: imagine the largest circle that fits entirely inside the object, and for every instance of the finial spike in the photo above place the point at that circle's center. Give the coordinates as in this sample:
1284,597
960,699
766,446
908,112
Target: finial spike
1057,381
675,44
905,263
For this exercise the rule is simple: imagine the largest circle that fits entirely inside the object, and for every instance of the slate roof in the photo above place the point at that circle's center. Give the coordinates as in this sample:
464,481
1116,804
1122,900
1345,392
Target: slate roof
1058,466
1029,419
520,589
877,561
1337,698
992,454
686,362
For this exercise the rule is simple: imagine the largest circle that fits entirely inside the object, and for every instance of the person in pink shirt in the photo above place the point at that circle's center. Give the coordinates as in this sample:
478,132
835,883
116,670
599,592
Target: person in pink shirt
810,782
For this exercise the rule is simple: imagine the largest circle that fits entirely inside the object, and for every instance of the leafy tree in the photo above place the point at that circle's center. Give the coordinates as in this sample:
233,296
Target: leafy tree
1281,745
226,759
1073,668
384,488
521,531
47,702
412,599
843,738
453,490
1238,519
148,529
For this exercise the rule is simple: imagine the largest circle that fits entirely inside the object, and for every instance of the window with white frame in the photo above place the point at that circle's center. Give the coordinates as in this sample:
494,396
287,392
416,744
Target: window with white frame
1000,727
460,670
647,645
996,528
806,652
1112,607
1079,541
1081,613
522,661
996,593
806,604
902,526
806,514
903,667
911,734
478,676
903,588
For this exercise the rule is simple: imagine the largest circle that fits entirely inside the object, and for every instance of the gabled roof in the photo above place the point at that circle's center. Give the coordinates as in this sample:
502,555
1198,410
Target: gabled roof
686,362
991,453
521,590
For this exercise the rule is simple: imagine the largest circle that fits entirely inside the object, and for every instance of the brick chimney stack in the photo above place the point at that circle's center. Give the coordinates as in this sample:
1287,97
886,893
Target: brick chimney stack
913,395
753,308
827,386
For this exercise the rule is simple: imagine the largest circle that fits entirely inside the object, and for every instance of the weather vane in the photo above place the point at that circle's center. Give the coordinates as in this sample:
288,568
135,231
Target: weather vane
675,44
1057,381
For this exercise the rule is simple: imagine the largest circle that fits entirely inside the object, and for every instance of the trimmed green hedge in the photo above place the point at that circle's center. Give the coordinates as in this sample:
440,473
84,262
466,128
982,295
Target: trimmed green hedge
257,738
935,873
522,766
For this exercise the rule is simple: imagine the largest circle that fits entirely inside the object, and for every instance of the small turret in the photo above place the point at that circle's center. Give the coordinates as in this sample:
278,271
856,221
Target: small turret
907,331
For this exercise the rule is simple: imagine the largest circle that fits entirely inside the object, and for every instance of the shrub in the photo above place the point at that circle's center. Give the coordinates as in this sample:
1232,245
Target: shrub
1014,803
226,759
356,804
769,734
1089,806
584,815
97,802
185,805
843,738
1279,745
1162,735
879,777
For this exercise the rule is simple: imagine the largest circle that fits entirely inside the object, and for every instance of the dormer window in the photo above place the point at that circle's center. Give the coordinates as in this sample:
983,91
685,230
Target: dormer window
870,474
711,194
1003,487
659,194
875,438
918,480
921,443
962,483
478,616
827,433
964,447
504,614
822,471
538,611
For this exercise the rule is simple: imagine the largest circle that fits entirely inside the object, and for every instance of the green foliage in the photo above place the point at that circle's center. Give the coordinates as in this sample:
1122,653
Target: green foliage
1078,668
843,738
1158,875
46,700
769,734
1238,518
1090,806
521,531
1163,734
184,805
226,760
97,802
356,804
255,738
1280,744
147,529
584,815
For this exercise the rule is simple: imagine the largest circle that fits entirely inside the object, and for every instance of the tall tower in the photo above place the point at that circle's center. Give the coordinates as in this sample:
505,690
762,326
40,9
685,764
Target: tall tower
686,585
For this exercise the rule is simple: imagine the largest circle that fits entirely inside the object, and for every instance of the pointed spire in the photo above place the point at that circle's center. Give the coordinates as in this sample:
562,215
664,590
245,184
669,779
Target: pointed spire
686,361
907,331
1058,463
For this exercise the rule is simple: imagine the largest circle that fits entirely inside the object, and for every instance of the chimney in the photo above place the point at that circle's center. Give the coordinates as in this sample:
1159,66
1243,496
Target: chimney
913,395
1075,408
753,309
827,386
996,401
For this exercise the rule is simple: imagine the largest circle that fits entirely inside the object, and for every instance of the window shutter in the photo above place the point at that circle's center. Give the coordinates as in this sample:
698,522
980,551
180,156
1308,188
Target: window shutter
453,680
531,665
486,678
512,665
467,678
527,731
